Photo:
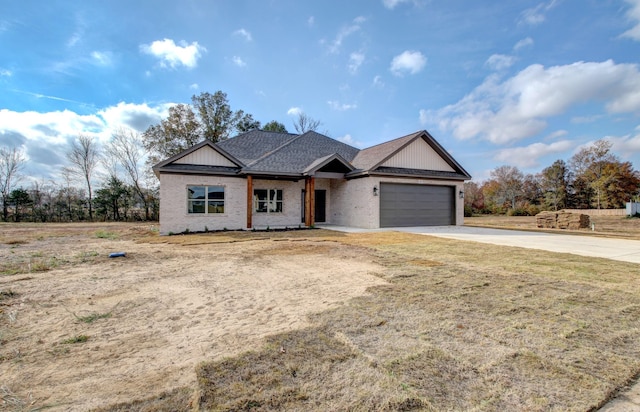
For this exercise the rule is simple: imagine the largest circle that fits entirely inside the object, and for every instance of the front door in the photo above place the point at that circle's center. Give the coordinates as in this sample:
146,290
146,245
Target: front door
321,206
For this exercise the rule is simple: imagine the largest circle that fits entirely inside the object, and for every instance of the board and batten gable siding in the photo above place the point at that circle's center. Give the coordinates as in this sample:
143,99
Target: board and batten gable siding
205,156
353,203
173,204
418,155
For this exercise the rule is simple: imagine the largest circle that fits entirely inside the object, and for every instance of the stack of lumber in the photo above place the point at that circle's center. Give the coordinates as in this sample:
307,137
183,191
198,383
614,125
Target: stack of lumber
562,220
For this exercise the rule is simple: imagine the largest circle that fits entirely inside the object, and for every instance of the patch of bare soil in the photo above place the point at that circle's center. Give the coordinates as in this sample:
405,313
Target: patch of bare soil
86,331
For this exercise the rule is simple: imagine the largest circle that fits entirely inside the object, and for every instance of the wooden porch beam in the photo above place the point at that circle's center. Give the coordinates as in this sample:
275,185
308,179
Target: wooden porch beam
310,201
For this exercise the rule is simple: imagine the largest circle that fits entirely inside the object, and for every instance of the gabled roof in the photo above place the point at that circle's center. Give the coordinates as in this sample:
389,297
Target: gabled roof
171,164
371,160
333,160
289,155
295,155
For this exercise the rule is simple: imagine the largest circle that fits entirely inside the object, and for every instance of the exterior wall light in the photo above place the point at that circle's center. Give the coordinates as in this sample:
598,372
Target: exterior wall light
461,194
375,190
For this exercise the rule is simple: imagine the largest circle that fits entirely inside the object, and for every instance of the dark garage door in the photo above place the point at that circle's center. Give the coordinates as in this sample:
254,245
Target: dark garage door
416,205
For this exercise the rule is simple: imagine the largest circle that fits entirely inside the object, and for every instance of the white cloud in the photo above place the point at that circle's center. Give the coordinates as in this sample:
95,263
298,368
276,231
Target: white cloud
355,61
346,32
625,145
45,136
172,55
335,105
528,156
377,82
500,61
536,15
391,4
194,86
634,15
238,61
556,134
510,110
134,116
311,21
348,139
243,33
523,43
295,111
101,58
5,72
409,61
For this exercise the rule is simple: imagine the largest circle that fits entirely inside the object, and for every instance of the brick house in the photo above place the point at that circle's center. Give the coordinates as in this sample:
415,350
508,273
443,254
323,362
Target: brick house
265,179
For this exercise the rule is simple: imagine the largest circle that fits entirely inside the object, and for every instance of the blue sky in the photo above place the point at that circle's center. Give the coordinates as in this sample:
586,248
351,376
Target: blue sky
522,82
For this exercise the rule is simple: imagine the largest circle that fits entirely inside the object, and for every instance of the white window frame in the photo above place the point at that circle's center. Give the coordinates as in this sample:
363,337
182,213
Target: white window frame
209,202
274,198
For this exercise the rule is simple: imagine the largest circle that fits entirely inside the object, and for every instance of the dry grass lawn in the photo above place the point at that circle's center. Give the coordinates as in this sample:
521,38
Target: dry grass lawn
307,320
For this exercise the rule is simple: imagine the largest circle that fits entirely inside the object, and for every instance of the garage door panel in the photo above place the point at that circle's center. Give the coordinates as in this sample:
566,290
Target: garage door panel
416,205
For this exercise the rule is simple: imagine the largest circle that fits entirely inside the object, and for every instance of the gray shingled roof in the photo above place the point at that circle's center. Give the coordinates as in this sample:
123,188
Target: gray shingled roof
287,154
284,153
251,146
371,156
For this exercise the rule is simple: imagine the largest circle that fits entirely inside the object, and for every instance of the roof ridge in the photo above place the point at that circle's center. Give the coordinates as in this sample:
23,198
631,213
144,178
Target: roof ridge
393,140
288,142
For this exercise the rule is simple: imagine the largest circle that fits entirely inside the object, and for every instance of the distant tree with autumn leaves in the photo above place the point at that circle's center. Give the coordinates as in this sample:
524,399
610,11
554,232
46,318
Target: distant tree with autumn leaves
594,177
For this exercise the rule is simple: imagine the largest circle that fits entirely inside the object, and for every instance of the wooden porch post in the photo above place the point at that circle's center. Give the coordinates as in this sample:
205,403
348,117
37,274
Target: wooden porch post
249,202
310,201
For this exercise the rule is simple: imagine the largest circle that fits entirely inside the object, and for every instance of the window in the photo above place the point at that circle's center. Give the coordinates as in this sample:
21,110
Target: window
205,199
267,200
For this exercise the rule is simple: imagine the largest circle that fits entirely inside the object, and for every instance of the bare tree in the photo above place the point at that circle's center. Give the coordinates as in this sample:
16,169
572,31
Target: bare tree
305,123
11,162
126,148
84,157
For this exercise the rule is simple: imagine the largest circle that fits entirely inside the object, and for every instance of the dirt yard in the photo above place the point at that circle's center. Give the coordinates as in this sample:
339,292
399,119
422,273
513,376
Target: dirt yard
79,330
308,320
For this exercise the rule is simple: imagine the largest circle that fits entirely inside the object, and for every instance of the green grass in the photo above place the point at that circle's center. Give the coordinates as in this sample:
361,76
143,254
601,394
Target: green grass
93,317
103,234
76,339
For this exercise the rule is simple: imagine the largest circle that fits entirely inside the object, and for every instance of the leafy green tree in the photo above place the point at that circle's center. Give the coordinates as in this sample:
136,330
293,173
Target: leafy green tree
19,198
216,117
554,182
274,126
589,165
247,123
112,198
179,131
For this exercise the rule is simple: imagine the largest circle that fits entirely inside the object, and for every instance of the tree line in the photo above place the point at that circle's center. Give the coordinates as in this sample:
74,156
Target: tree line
114,182
593,178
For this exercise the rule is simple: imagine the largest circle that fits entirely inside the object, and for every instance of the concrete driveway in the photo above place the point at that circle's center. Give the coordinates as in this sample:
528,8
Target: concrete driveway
617,249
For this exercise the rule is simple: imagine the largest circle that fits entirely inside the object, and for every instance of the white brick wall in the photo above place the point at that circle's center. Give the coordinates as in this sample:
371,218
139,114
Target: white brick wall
173,204
349,202
353,202
291,206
